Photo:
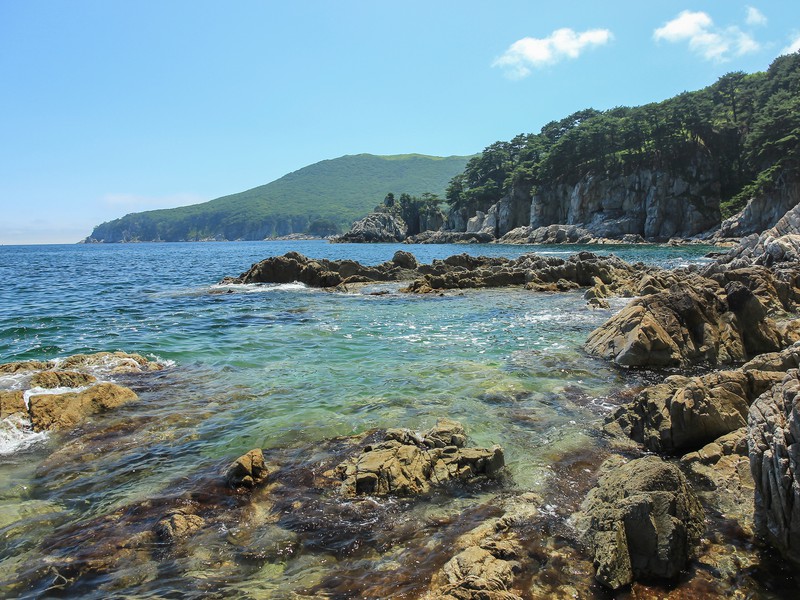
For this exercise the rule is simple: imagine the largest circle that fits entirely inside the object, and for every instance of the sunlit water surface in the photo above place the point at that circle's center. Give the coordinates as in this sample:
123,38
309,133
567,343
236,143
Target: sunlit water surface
280,367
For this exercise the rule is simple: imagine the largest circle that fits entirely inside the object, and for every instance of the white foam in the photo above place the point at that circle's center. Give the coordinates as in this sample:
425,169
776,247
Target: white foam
16,435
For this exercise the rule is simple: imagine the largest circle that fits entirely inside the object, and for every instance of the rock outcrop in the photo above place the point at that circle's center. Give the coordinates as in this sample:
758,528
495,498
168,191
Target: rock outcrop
774,443
779,244
683,414
763,211
59,394
462,271
406,463
718,316
377,227
641,521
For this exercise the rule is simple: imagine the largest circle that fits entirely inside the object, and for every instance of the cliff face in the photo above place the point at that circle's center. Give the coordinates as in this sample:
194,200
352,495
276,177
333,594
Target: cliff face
649,202
765,210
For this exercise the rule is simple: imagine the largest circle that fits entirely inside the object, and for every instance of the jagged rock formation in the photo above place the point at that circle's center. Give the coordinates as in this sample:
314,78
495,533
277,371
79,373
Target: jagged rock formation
779,244
456,272
717,316
774,441
642,520
685,413
376,227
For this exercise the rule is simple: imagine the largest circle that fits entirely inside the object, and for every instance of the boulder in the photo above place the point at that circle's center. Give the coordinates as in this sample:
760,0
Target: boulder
177,525
406,463
683,414
248,470
774,444
641,521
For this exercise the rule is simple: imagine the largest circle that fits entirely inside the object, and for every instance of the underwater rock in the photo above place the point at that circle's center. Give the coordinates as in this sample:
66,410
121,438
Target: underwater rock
774,443
177,525
248,470
642,520
406,463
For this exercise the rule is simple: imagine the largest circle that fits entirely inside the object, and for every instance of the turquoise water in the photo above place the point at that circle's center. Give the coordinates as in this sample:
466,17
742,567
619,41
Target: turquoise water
282,368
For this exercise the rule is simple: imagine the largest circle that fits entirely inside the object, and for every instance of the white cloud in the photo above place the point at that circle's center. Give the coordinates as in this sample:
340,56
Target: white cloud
528,53
710,42
137,202
793,46
755,17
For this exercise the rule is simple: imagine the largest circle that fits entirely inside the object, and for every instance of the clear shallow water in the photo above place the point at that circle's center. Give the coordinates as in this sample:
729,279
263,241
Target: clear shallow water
280,368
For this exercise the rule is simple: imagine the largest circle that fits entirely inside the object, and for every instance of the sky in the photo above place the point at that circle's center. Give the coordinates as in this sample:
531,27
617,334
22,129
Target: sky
113,107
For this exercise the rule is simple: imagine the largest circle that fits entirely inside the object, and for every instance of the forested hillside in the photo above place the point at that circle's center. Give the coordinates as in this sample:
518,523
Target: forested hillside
742,131
322,199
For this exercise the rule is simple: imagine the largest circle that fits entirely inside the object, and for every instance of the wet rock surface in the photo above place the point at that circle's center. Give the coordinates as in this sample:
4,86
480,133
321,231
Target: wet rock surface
59,394
610,275
407,463
642,521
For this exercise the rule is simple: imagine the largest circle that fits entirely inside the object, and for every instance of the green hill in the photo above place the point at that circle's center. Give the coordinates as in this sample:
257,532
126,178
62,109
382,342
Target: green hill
323,196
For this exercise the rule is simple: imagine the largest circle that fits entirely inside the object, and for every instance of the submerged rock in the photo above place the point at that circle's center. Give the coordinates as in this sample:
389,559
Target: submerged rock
641,521
63,411
406,463
248,470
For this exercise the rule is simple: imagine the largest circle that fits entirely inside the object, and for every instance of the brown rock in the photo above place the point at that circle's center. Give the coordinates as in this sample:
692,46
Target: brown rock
29,365
62,411
12,403
177,525
248,470
56,379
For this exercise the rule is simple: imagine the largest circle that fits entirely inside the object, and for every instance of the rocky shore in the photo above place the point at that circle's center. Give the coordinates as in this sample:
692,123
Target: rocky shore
727,439
692,479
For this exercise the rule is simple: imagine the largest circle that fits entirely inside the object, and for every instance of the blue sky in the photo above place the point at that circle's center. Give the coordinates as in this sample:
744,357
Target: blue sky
111,107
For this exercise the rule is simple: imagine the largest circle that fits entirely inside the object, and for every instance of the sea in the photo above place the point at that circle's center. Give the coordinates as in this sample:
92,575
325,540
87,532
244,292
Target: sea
287,369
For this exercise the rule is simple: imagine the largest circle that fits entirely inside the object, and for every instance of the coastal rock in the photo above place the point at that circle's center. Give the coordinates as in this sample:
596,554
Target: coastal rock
477,574
248,470
406,463
764,210
56,379
62,411
774,443
43,410
780,243
717,320
684,413
642,520
550,234
377,227
450,237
